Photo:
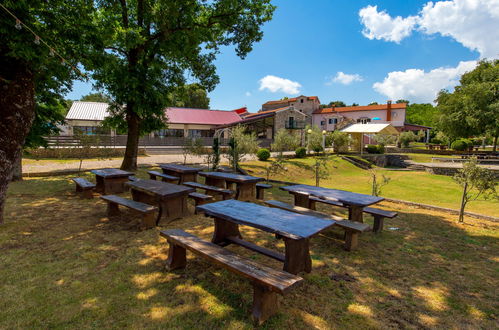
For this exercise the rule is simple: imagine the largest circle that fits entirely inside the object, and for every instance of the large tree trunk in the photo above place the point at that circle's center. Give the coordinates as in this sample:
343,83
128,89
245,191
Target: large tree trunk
17,111
17,171
132,141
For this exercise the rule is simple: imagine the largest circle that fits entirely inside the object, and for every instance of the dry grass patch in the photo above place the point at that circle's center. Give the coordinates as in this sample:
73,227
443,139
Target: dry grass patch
65,264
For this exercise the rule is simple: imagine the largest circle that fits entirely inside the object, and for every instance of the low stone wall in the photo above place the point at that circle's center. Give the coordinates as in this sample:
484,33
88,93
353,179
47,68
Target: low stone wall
384,160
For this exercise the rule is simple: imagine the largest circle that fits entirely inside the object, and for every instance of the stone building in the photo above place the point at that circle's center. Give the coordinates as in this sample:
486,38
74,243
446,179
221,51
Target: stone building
305,104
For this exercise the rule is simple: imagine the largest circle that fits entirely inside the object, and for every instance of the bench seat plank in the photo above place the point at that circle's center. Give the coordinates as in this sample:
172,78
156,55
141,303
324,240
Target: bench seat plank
353,225
325,201
83,183
383,213
137,206
264,185
225,192
276,280
164,177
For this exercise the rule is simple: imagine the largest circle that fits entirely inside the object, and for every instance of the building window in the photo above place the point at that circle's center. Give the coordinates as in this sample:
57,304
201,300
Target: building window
394,114
301,100
333,121
200,133
170,132
89,130
323,122
364,120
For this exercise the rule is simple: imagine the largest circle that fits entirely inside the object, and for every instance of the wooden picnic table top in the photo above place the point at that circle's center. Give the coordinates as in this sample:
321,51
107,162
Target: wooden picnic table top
160,188
287,224
346,197
111,173
232,177
179,168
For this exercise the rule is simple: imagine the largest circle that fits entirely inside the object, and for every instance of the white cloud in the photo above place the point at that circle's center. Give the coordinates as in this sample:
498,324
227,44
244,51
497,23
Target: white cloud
346,79
419,86
472,23
277,84
380,25
247,94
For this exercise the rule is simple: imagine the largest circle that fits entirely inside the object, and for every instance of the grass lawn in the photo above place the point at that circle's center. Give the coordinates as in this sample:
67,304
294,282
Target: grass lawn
66,265
427,158
412,186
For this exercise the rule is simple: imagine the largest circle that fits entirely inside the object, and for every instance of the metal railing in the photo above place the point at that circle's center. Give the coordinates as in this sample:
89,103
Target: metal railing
294,124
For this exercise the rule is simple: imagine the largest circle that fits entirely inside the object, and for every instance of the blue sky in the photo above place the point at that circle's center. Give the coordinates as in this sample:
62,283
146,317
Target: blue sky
385,50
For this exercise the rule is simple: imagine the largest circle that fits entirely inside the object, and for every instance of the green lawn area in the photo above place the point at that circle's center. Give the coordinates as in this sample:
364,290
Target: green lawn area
412,186
427,158
66,265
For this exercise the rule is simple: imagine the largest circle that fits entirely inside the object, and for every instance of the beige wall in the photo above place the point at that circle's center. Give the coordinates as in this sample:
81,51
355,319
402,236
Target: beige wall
397,120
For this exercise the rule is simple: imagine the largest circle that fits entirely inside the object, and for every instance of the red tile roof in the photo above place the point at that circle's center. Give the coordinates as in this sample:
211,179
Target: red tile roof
293,99
361,108
265,112
201,116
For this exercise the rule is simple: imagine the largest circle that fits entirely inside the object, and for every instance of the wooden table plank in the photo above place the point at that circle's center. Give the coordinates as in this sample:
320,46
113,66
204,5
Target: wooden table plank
232,177
179,168
343,196
111,173
285,223
159,188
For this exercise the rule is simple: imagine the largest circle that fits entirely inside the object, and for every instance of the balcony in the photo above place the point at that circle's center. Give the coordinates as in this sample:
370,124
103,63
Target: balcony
296,124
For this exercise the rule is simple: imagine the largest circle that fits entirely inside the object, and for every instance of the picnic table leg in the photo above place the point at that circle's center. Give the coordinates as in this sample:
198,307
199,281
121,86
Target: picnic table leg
378,224
220,183
188,177
355,213
112,209
176,257
246,191
297,257
99,183
302,200
265,303
223,229
142,197
174,207
114,185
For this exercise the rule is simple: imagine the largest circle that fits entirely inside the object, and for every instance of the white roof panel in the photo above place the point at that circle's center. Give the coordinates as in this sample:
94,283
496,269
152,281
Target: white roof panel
88,111
371,129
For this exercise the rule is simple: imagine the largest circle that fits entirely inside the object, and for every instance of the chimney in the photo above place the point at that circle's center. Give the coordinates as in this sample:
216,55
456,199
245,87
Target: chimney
389,110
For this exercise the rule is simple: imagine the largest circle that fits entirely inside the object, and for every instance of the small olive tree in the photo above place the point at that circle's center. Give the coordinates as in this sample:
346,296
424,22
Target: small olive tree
314,138
476,182
377,181
284,141
240,145
275,167
339,141
405,138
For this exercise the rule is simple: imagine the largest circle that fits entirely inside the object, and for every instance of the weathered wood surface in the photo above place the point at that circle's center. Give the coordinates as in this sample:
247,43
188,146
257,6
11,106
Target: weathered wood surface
383,213
313,200
111,173
199,199
342,196
260,190
83,183
353,226
276,280
159,188
284,223
232,177
301,210
134,205
164,177
225,192
179,168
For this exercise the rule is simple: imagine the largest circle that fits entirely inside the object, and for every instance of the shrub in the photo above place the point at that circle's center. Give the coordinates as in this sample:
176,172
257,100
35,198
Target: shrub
459,145
318,149
375,149
300,152
263,154
436,141
78,153
405,138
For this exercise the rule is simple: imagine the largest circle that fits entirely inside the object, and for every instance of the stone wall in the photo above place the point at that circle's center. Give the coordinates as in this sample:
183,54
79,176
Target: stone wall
281,117
386,160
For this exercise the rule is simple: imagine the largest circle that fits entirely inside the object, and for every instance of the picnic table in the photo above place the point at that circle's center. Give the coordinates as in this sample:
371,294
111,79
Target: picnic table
171,198
185,173
295,229
245,184
110,180
354,201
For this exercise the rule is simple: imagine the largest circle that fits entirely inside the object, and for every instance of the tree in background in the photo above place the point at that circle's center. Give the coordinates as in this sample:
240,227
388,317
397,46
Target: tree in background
422,114
148,49
189,96
314,138
240,145
473,108
27,67
339,141
476,182
284,141
334,103
402,101
405,139
373,103
96,97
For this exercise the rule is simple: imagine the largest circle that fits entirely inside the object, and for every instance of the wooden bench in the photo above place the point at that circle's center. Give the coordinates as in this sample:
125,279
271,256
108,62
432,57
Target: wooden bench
84,187
133,178
199,199
147,211
226,193
352,228
260,190
379,216
267,282
313,200
164,177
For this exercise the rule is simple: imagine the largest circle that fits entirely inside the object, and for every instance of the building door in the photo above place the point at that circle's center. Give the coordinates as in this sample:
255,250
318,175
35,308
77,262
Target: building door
291,122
